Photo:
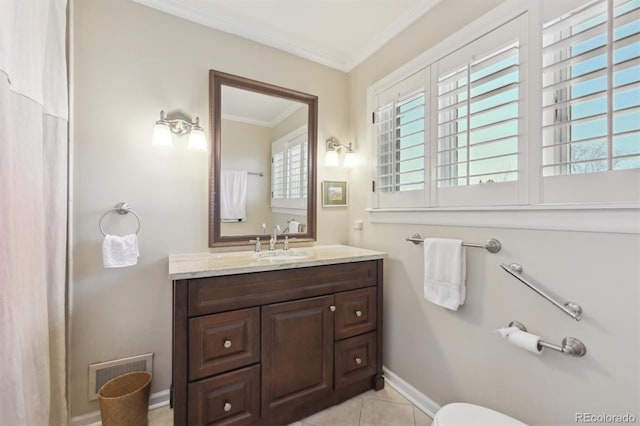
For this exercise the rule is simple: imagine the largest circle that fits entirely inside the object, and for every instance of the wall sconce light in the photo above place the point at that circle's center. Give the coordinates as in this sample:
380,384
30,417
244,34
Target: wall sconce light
164,127
331,157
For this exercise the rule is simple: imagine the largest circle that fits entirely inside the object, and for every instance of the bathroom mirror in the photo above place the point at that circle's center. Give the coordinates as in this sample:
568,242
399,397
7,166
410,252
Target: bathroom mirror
263,161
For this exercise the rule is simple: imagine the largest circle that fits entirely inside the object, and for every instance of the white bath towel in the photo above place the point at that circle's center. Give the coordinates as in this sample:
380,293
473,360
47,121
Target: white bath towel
118,252
444,272
294,226
233,196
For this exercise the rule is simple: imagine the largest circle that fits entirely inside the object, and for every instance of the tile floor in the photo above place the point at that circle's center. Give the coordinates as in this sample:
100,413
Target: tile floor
384,408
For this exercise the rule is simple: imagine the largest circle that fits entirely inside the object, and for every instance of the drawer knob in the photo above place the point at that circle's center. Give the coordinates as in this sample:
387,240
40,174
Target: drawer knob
333,308
227,407
358,314
358,360
227,345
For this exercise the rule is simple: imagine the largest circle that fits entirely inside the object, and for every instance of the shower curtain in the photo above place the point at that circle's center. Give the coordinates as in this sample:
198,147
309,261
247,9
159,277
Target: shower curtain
33,212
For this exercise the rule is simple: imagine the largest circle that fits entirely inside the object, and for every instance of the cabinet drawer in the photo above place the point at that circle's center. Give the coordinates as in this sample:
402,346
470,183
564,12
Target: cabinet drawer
228,399
355,312
224,293
222,342
355,359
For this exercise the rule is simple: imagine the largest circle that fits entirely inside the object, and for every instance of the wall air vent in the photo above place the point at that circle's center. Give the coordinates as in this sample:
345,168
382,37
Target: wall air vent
102,372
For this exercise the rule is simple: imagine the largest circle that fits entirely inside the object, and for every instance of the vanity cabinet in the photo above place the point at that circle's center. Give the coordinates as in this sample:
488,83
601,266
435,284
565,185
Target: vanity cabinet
273,347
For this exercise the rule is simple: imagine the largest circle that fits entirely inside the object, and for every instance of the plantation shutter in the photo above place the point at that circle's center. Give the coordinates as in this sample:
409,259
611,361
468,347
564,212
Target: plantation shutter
478,112
296,167
591,89
400,128
289,171
277,176
591,99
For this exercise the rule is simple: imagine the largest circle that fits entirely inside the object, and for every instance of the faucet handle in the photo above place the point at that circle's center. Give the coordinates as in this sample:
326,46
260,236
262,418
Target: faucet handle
287,240
257,243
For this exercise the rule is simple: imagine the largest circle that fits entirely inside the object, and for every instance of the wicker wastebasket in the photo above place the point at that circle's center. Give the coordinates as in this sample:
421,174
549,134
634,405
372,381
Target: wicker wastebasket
124,400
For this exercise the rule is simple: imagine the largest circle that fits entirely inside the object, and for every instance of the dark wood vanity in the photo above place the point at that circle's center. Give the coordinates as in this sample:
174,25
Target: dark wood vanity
274,346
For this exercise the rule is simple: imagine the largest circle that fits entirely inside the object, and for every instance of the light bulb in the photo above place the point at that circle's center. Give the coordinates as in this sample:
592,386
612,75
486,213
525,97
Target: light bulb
331,159
197,140
161,135
349,160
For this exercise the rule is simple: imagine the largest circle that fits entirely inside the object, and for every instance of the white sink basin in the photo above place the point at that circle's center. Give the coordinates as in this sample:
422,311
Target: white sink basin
282,254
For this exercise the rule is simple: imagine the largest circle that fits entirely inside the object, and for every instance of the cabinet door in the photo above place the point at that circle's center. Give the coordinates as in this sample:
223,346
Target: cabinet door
297,353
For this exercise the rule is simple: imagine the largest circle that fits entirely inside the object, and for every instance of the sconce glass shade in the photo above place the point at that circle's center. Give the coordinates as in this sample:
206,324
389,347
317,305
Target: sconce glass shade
197,140
349,160
161,135
331,158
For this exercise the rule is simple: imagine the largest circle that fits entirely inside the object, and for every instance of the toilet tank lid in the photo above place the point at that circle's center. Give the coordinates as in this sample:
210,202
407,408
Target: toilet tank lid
463,414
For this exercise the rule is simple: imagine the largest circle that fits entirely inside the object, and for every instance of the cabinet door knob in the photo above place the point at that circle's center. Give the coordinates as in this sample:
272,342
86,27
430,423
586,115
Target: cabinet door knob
358,361
333,308
227,344
358,314
227,406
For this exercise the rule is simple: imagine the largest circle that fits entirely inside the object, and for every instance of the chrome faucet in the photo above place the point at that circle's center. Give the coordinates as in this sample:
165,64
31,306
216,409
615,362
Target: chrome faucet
258,247
274,239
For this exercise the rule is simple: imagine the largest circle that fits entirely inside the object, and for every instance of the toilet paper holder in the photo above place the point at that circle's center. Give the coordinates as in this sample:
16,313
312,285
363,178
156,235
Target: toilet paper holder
570,345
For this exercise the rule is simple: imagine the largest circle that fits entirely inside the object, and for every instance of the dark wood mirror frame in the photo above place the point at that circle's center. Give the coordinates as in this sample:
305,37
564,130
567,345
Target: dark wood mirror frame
218,79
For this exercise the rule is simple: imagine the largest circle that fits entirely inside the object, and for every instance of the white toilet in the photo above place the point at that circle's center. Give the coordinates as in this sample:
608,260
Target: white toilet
463,414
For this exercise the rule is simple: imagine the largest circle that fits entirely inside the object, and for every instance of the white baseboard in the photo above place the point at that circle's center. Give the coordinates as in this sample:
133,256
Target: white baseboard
417,398
160,399
156,400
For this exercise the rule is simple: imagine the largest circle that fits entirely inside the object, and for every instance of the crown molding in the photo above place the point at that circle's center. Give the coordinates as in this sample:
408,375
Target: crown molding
339,61
383,37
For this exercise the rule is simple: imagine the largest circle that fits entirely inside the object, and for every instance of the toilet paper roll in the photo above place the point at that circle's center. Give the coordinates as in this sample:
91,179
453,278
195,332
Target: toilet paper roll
526,341
504,332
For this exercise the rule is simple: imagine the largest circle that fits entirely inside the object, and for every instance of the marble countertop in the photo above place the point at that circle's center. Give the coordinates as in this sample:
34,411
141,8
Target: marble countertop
200,265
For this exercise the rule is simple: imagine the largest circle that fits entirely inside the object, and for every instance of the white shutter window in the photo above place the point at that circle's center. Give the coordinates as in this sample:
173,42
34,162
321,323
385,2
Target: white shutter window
479,118
478,112
401,144
289,171
277,175
591,89
384,123
296,167
400,140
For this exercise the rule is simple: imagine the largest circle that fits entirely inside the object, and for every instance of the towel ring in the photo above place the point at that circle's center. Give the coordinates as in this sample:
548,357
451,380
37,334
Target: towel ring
120,208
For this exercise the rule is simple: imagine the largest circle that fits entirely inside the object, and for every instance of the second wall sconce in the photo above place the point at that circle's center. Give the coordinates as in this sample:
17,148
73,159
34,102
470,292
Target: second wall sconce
164,127
331,157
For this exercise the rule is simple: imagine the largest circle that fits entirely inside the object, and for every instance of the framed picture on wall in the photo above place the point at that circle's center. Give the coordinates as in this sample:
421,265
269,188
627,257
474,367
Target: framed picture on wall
334,193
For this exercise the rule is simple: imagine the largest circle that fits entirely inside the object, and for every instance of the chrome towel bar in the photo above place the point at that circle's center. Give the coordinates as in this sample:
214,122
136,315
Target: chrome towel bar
570,345
570,308
492,246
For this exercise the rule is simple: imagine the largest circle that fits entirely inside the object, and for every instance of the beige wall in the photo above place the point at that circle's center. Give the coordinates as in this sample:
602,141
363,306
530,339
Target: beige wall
129,63
455,356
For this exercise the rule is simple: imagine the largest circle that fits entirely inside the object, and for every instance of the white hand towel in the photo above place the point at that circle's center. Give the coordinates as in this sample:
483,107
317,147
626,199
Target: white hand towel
294,226
444,272
233,196
118,252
